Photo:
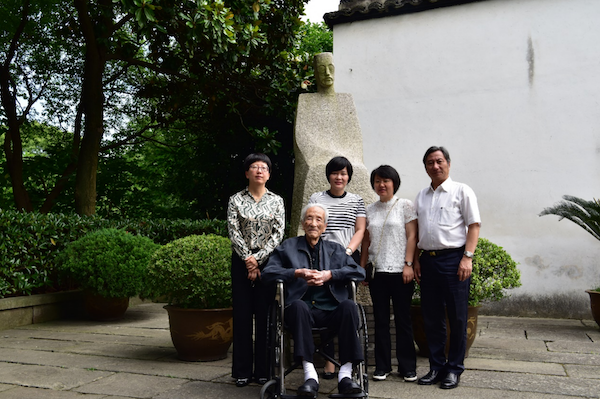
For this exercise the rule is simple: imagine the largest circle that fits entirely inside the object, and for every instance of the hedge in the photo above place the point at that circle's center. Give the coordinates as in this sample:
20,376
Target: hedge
30,242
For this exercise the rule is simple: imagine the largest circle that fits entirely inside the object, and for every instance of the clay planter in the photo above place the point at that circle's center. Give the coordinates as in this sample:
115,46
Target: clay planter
201,334
595,303
419,329
101,308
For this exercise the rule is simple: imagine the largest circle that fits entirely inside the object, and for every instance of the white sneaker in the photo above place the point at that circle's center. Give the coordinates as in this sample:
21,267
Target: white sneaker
379,375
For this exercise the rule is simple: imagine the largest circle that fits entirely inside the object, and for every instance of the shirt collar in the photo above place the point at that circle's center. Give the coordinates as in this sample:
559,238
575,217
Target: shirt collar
445,185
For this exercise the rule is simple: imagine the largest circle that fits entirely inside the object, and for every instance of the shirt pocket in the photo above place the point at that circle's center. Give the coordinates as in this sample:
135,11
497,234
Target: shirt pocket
449,216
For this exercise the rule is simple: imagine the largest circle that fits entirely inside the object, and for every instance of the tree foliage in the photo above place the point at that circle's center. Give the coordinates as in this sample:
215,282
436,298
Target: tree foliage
152,105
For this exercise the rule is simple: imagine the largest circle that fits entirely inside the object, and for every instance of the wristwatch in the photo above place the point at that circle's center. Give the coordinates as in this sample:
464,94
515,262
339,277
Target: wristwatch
468,254
407,263
349,251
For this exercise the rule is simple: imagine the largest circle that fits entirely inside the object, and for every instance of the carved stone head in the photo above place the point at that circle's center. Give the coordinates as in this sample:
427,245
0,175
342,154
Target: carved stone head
324,72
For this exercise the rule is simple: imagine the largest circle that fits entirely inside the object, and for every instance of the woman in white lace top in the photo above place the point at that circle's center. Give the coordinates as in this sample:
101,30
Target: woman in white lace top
390,243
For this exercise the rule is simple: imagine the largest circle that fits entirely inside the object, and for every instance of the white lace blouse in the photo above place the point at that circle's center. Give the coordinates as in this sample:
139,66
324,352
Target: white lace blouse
387,251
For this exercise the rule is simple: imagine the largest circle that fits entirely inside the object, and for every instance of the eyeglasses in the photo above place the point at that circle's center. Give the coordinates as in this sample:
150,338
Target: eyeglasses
259,168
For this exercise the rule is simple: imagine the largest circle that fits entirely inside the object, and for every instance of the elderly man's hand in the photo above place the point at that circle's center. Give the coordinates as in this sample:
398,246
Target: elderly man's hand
313,277
465,268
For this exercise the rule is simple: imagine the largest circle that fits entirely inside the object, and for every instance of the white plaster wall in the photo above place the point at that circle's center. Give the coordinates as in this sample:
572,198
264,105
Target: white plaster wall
512,89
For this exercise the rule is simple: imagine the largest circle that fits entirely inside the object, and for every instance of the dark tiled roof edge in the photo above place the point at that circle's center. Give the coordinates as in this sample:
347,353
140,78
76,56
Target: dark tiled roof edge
385,8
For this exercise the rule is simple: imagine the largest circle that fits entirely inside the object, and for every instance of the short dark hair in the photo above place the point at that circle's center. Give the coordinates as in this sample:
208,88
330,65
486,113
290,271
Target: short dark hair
256,157
433,149
338,163
386,172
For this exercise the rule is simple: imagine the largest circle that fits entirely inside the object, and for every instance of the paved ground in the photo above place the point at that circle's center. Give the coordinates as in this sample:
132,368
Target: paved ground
133,358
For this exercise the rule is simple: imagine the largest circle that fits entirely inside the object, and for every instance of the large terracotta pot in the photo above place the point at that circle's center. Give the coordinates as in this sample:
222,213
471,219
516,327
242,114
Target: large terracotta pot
595,303
419,329
101,308
201,334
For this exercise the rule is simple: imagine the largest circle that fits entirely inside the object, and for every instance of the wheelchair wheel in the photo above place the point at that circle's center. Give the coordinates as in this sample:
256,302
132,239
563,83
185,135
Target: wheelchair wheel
275,387
362,375
270,390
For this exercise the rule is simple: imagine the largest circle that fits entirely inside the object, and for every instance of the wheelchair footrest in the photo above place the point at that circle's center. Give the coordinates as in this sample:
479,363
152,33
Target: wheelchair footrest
348,395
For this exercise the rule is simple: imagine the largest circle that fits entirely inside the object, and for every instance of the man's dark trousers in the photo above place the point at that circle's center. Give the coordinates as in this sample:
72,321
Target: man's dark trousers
300,320
442,293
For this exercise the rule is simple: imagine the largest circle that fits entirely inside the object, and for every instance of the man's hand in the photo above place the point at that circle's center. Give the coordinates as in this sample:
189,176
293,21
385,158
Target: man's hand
465,268
313,277
417,269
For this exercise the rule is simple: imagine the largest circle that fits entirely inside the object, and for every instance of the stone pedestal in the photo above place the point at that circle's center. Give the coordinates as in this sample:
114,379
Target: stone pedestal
326,126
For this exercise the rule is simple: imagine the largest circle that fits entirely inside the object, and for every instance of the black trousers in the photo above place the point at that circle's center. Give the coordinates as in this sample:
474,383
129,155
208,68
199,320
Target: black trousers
343,321
386,286
250,307
443,294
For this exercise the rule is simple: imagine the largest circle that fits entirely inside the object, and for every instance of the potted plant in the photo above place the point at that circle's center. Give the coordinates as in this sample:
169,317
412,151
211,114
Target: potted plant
586,214
193,274
110,266
494,271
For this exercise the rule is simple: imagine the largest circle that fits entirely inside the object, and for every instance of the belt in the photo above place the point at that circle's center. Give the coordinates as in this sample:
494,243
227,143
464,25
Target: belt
440,252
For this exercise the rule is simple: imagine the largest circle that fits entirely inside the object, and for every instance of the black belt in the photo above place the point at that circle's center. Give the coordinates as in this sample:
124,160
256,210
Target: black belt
440,252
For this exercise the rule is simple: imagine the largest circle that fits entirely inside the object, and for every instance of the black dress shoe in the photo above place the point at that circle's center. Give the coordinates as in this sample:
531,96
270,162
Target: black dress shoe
261,380
328,375
451,381
346,386
309,388
433,377
242,382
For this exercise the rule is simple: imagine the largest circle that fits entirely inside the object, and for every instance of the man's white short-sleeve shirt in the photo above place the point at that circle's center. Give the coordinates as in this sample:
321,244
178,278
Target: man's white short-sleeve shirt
444,215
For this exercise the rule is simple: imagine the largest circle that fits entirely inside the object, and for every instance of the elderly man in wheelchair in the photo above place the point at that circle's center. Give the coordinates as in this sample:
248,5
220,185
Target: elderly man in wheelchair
315,273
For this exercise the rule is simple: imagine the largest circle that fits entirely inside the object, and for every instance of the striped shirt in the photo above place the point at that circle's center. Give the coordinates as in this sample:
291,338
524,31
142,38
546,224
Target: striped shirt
343,212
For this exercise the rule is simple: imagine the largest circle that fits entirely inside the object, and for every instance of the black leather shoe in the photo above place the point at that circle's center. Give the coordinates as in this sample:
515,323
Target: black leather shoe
242,382
346,386
433,377
451,381
328,375
309,388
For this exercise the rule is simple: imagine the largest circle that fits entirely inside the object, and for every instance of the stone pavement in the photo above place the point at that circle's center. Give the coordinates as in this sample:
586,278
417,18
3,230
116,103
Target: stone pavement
72,359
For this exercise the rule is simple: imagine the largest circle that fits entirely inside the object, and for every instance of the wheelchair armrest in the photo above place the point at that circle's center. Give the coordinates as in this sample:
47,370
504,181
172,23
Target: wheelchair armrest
352,288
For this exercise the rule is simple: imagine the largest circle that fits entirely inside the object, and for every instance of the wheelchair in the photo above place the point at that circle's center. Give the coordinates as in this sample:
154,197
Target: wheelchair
275,387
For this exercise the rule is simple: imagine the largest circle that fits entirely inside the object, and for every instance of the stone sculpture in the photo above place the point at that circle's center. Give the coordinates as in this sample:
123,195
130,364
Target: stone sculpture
326,126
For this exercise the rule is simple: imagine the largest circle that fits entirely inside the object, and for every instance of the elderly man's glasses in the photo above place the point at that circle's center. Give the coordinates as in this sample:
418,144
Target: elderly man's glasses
259,168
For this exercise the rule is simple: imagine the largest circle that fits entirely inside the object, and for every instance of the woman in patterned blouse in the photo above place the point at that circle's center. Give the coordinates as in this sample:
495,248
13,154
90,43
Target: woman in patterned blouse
256,221
390,244
347,219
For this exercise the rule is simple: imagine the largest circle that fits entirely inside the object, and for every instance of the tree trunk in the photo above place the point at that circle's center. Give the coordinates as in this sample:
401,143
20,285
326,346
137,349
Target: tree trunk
13,148
93,103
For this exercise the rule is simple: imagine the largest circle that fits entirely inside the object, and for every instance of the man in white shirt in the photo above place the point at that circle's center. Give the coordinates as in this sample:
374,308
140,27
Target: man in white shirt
449,225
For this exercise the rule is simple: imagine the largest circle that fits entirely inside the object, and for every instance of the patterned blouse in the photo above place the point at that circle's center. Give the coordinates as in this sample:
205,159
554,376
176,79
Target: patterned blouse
387,251
255,228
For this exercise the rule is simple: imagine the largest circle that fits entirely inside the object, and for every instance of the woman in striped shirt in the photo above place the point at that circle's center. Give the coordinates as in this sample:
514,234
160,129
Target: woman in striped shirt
347,219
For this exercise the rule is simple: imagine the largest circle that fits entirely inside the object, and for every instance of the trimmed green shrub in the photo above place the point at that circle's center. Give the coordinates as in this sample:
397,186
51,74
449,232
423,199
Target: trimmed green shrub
30,242
494,271
193,272
108,262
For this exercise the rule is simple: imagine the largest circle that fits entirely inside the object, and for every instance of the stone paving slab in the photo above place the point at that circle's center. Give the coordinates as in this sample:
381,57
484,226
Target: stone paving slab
55,378
48,340
27,393
510,344
525,382
579,347
551,357
579,371
132,385
515,366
